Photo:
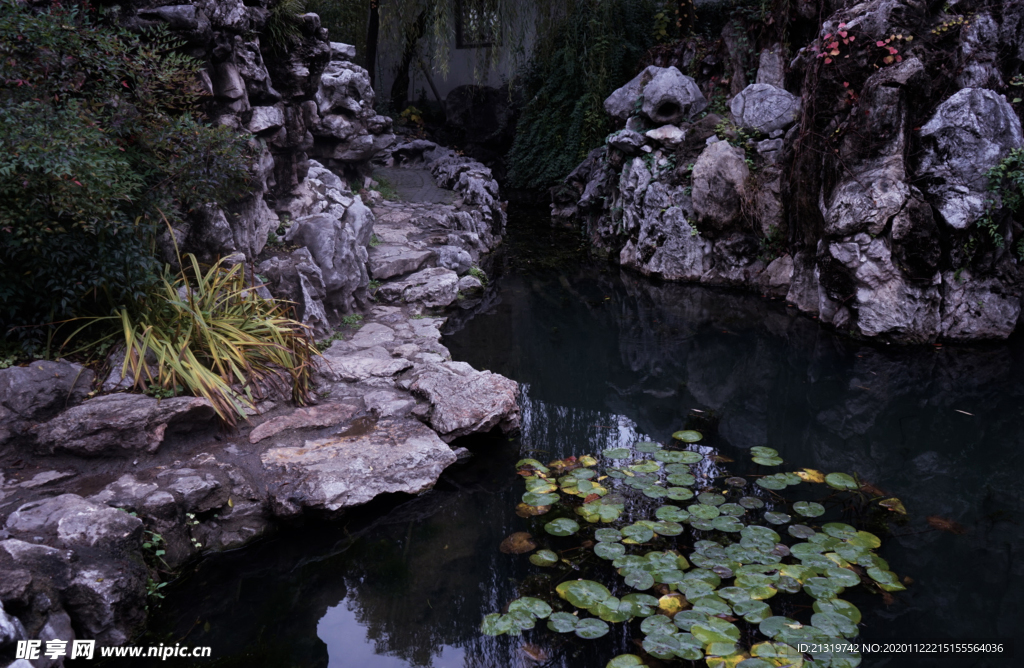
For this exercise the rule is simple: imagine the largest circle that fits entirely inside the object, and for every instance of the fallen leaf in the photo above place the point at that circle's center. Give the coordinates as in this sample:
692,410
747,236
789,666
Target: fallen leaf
888,598
518,543
526,510
893,504
942,524
811,475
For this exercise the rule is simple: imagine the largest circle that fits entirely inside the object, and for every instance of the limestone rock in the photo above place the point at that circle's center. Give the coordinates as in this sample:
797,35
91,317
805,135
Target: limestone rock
977,307
465,401
39,391
622,102
719,182
343,471
667,135
120,424
325,415
968,135
433,287
78,522
387,261
671,97
765,108
299,280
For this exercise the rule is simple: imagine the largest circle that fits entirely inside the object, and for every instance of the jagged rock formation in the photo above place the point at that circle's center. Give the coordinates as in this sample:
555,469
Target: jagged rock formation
851,181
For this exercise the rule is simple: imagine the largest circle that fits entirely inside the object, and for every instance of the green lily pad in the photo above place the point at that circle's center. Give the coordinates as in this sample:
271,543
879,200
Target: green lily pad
774,626
647,446
752,611
843,577
733,509
661,646
591,628
833,624
761,534
703,511
671,513
668,528
655,492
672,456
643,605
762,451
608,535
681,479
736,481
535,606
637,533
521,621
562,527
801,531
677,468
775,481
751,502
532,463
583,593
645,466
694,589
540,485
734,594
776,518
777,653
657,625
839,607
580,474
616,453
714,629
679,493
841,481
711,605
641,580
535,499
688,436
544,558
625,661
809,509
822,588
702,525
711,498
767,461
609,551
496,624
690,457
562,622
727,523
687,618
839,530
613,610
865,539
887,580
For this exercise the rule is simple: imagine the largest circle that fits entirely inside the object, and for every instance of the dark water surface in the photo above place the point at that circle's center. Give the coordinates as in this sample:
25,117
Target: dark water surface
608,359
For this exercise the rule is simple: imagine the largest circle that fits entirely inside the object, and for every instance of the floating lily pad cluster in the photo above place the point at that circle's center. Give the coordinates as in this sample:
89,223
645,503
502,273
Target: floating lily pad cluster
703,563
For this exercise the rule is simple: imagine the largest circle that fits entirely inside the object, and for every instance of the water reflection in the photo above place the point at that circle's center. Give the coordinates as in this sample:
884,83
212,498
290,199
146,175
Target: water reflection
609,359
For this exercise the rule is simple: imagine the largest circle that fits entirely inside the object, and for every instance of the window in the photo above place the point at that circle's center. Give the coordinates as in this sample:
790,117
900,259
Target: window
476,24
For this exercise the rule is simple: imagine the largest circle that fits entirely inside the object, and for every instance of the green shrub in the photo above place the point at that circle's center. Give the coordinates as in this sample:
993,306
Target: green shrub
593,51
99,137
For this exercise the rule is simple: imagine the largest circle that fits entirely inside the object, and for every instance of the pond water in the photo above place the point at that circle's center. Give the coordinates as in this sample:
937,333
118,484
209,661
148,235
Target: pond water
606,359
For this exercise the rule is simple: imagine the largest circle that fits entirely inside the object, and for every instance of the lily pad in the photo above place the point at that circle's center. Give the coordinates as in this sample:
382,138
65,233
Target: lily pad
535,606
648,446
865,539
751,502
752,611
562,622
714,629
688,436
733,509
613,610
727,523
535,499
839,530
637,533
641,580
776,518
518,543
736,481
655,492
671,513
645,466
711,498
563,526
672,456
703,511
809,509
841,481
661,646
609,551
681,479
544,558
657,625
767,461
616,453
687,618
667,528
679,493
625,661
583,593
833,624
801,531
496,624
839,607
540,485
887,580
531,463
775,481
591,628
773,626
608,535
843,577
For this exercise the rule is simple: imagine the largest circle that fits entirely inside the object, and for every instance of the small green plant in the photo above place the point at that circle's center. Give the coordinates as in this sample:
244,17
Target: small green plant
387,191
1006,183
950,25
153,588
208,332
478,273
190,522
1017,82
353,320
375,241
282,26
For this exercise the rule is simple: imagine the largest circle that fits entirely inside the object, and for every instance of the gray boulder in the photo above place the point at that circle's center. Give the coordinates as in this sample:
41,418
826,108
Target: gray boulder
968,135
672,97
39,391
297,279
627,141
344,471
466,401
771,67
432,287
120,424
78,522
719,183
978,307
622,103
11,628
765,108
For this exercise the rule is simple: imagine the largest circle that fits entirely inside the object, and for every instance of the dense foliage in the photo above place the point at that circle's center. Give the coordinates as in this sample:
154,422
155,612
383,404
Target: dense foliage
593,51
100,141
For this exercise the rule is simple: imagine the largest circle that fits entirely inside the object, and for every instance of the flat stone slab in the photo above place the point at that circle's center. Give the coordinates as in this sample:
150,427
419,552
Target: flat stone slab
466,401
388,261
355,368
302,418
415,185
349,470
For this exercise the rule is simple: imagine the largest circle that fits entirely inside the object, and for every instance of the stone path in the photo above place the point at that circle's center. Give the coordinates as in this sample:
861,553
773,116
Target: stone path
415,185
